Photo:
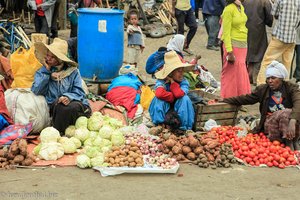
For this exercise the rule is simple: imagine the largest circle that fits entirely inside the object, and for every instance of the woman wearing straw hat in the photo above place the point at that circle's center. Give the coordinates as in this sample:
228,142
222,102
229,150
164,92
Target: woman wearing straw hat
61,84
171,105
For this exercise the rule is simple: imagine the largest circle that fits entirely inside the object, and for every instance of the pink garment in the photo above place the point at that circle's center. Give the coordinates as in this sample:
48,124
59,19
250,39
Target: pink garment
235,78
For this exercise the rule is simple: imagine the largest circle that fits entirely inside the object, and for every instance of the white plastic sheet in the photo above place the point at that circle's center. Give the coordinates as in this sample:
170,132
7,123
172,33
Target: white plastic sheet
112,171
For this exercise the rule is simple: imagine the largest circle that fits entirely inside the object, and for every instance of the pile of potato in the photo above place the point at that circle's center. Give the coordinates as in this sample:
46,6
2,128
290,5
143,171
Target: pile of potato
129,155
16,154
204,150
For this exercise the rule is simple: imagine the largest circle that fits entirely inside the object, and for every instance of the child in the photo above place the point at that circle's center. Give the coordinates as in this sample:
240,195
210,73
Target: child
135,38
171,94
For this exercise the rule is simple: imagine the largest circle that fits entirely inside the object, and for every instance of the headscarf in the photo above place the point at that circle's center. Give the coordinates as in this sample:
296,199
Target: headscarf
126,69
176,43
276,69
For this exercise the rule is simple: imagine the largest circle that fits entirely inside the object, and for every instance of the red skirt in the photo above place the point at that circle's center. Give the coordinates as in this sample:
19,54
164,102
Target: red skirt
234,78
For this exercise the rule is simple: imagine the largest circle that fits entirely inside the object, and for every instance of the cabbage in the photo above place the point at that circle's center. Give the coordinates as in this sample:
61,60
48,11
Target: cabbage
82,134
93,134
37,149
70,131
97,161
91,151
51,151
63,139
105,143
97,141
105,132
69,146
112,122
83,161
88,142
105,149
117,138
94,123
97,114
81,122
49,134
76,142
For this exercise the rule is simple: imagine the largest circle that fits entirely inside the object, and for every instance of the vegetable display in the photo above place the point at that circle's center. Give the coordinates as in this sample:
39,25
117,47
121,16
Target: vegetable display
16,155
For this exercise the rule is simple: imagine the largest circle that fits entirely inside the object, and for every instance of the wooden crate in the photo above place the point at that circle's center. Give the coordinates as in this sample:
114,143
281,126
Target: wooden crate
222,113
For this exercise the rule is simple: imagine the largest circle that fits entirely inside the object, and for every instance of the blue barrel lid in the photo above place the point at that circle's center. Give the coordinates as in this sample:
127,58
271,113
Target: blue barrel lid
100,10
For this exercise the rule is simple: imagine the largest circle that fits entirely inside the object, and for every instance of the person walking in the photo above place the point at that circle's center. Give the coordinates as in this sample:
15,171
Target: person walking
282,44
259,16
184,14
212,10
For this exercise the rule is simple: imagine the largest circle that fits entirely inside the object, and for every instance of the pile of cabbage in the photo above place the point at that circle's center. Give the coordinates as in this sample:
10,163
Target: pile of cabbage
97,134
53,146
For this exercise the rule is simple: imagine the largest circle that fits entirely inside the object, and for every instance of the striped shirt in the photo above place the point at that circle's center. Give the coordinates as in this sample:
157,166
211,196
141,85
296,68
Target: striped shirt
288,13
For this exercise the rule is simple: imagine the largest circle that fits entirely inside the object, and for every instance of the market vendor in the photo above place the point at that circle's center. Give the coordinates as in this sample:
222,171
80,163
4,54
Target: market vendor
60,82
279,106
171,105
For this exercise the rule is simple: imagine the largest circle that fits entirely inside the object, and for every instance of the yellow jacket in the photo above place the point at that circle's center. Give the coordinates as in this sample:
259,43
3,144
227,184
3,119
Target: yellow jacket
234,25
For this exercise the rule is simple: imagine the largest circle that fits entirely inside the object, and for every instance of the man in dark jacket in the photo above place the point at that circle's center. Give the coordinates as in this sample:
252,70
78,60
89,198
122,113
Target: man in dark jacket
212,10
279,106
259,15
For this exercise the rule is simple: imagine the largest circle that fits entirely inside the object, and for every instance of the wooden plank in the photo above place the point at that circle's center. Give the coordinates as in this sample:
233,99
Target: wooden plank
224,122
217,108
217,116
205,94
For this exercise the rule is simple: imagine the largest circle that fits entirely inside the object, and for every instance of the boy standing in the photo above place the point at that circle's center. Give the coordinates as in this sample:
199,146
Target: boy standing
136,43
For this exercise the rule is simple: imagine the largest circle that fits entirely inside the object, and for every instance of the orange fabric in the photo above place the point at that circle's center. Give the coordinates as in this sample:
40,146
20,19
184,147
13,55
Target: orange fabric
39,11
5,70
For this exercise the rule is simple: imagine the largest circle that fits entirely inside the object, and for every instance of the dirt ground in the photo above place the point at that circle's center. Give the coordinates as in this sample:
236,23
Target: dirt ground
237,183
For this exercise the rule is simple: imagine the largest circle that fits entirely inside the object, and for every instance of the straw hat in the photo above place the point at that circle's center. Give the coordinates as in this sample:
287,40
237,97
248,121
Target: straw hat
59,48
172,62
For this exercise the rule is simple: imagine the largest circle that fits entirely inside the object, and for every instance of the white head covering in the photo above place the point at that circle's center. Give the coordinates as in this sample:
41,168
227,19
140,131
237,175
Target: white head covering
276,69
126,69
176,43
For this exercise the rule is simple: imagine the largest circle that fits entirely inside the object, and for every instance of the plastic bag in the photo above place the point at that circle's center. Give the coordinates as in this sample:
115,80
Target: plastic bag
209,124
26,107
24,64
146,96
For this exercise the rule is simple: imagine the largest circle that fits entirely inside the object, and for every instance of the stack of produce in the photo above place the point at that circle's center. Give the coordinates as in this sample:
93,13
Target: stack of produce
128,155
149,147
256,149
204,151
16,155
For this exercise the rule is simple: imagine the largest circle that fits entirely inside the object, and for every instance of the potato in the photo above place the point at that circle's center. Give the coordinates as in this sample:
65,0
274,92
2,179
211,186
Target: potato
3,159
134,148
138,160
133,144
139,165
111,160
115,148
117,160
132,164
130,159
126,163
27,162
10,156
2,152
121,164
135,155
18,159
22,145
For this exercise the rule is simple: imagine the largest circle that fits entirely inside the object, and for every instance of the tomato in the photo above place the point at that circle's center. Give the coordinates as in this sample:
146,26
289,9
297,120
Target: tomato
251,154
275,163
261,160
257,163
294,162
276,157
237,154
281,166
248,160
251,145
276,143
255,158
252,163
269,164
287,163
245,148
282,145
261,150
282,160
285,154
291,158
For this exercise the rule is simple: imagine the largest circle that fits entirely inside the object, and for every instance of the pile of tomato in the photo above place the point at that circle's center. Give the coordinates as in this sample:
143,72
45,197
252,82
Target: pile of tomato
256,149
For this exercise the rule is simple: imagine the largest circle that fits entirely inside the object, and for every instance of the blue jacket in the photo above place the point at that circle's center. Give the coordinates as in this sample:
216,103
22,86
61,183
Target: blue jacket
70,86
213,7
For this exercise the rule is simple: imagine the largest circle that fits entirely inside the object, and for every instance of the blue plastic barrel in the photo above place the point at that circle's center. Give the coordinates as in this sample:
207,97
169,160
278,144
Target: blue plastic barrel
100,43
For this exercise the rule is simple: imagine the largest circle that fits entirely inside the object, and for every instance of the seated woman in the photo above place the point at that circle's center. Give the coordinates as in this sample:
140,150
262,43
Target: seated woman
61,84
279,106
171,93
